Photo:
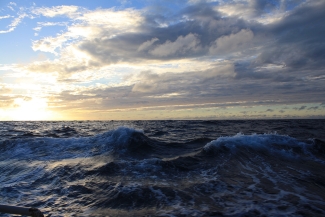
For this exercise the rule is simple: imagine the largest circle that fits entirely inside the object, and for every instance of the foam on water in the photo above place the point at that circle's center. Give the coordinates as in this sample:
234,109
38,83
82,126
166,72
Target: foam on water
278,145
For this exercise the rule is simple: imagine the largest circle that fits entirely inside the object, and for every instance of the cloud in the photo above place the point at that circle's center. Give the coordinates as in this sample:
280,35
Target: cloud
6,102
148,82
301,108
15,22
49,44
182,46
40,25
313,108
57,67
110,19
263,11
240,9
232,43
4,90
146,45
64,10
152,37
147,54
185,83
5,17
107,36
88,28
299,44
11,5
220,70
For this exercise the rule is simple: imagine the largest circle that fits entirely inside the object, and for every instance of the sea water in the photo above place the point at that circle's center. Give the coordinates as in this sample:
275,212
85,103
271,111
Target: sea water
164,168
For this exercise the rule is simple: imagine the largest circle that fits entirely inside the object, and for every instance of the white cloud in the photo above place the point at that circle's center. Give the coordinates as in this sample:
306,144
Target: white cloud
4,89
112,20
90,26
49,44
182,45
239,9
148,82
232,43
146,45
37,28
257,10
5,67
220,70
11,6
12,26
40,25
52,23
5,17
56,66
64,10
86,26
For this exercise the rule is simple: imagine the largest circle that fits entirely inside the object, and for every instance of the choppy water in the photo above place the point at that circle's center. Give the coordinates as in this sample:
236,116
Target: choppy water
165,168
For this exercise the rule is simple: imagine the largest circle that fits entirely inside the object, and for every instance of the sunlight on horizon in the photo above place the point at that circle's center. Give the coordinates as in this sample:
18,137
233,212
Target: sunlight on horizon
29,110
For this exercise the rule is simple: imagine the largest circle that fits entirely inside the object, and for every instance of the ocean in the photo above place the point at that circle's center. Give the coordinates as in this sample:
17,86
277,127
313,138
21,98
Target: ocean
164,168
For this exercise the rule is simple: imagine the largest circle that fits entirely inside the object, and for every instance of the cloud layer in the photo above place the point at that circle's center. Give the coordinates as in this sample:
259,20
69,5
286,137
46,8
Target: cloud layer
216,53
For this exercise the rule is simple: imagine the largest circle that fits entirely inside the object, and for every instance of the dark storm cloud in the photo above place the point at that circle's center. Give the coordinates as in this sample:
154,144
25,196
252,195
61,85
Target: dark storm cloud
313,108
301,108
297,47
260,7
299,38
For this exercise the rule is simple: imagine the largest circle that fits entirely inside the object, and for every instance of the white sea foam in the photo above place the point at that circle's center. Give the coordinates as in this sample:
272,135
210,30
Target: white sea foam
272,143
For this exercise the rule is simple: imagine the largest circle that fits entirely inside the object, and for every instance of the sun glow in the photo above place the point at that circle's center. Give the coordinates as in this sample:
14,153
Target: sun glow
30,109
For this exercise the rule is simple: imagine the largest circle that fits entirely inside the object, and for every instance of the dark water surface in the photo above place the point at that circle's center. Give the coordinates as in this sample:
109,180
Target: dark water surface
165,168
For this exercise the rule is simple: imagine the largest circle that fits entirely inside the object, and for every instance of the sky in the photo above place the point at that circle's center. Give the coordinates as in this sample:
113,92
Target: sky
162,60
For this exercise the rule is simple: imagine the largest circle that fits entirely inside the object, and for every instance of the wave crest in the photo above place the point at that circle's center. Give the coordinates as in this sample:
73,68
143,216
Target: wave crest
262,143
